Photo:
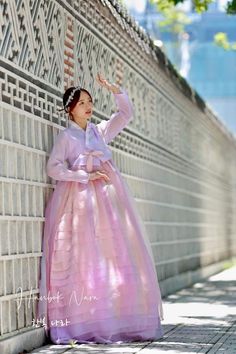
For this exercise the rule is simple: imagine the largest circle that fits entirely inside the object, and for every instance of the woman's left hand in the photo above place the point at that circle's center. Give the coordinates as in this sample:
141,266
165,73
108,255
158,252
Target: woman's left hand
111,87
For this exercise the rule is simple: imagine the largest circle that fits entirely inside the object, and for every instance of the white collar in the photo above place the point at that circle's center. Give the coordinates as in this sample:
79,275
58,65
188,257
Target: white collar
75,125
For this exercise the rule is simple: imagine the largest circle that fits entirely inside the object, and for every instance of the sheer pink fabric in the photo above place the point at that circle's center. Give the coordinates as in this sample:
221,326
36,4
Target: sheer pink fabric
98,281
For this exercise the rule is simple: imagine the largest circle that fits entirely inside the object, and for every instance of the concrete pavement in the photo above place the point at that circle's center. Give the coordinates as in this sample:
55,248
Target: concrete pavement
200,319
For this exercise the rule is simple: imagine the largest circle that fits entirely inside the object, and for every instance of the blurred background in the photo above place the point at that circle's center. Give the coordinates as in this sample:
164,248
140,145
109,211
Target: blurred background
200,44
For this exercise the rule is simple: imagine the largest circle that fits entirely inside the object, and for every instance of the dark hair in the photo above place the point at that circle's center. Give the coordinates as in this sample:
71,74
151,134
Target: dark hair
75,99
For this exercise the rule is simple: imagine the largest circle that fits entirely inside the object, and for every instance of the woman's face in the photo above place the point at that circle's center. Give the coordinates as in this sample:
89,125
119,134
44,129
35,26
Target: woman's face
83,109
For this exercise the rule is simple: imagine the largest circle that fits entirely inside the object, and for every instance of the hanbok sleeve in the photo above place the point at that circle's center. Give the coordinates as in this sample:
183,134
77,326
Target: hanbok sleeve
118,120
56,166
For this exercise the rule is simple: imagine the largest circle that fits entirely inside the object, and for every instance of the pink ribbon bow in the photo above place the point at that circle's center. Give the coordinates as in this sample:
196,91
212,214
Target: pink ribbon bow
91,155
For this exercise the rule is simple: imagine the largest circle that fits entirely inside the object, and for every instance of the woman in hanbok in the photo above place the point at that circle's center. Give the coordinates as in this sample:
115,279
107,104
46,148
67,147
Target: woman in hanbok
98,282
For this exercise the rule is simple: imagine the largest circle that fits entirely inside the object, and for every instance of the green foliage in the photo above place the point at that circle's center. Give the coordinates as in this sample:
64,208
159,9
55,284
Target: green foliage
73,343
221,39
229,264
175,19
199,5
231,7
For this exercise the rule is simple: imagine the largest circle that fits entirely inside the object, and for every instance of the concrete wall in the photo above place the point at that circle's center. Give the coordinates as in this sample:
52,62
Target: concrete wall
178,159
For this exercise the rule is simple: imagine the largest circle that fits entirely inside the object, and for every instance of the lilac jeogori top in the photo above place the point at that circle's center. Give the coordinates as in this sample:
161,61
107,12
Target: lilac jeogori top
79,147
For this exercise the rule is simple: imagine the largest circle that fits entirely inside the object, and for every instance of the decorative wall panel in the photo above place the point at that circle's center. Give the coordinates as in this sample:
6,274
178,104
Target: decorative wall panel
177,157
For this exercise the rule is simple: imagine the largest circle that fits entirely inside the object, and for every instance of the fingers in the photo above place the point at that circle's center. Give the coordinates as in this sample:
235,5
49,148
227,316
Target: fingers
106,178
102,81
102,174
99,78
99,174
92,176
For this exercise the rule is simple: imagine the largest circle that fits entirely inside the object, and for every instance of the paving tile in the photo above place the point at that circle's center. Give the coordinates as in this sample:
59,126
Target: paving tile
51,349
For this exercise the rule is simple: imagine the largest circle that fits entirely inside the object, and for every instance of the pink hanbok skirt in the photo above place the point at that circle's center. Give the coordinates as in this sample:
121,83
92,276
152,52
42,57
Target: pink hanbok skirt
98,282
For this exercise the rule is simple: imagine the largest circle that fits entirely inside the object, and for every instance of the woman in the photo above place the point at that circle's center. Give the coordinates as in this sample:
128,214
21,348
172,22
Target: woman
98,281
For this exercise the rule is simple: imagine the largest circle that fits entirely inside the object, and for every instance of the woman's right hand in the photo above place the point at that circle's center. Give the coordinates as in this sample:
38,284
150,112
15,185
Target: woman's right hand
97,175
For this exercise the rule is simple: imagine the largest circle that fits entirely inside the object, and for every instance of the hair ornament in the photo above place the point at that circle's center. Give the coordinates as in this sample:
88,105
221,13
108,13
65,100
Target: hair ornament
69,99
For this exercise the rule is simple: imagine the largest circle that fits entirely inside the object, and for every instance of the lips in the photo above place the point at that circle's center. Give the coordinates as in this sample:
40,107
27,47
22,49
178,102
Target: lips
88,112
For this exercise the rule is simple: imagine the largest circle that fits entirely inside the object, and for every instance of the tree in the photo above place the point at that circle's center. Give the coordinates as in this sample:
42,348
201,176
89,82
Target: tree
199,5
175,19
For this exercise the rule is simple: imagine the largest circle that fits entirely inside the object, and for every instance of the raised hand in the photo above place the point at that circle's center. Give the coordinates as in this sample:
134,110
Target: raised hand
105,83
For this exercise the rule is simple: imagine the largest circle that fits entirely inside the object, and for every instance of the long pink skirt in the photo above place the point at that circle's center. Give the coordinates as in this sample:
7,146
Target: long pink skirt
98,281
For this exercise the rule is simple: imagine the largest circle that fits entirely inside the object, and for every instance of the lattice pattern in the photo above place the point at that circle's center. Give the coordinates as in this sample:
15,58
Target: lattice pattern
178,159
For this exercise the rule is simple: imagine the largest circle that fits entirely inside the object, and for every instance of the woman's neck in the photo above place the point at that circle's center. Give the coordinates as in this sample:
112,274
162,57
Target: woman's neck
80,125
